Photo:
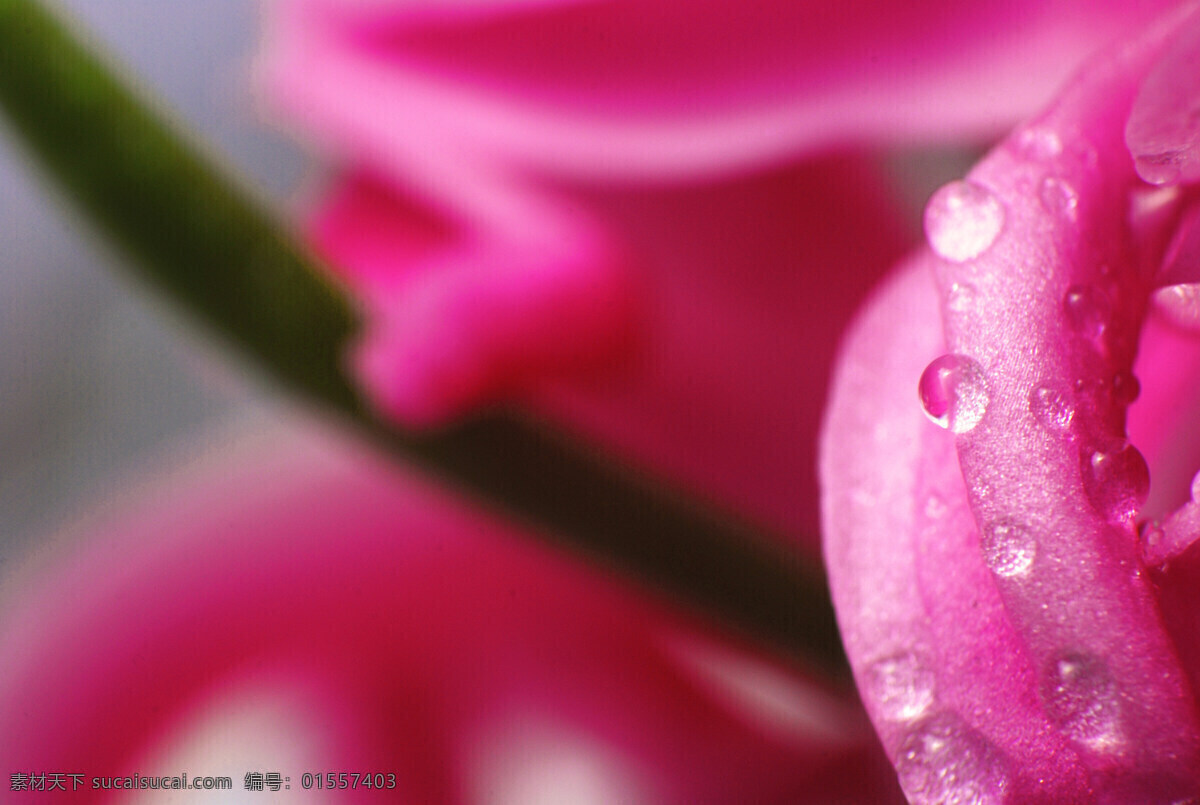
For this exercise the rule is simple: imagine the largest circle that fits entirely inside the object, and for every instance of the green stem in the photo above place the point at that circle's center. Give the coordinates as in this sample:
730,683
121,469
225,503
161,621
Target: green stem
214,248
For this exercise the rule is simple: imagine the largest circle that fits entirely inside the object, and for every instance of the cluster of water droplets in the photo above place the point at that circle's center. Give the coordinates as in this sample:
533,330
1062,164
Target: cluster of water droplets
941,758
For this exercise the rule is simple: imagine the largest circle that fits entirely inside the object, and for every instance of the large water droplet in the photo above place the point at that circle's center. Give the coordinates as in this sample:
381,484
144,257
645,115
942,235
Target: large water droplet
1082,698
954,392
961,297
1059,198
1087,310
945,761
1008,548
1164,168
962,220
1052,407
1196,488
1116,479
901,687
1181,304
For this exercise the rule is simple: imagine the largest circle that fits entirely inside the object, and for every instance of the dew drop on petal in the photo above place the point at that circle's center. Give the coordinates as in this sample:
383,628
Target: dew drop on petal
1040,144
901,687
1126,387
935,506
944,761
1151,540
1087,310
1081,697
1196,488
1008,548
961,297
1181,304
962,220
1115,479
954,392
1052,407
1161,169
1059,198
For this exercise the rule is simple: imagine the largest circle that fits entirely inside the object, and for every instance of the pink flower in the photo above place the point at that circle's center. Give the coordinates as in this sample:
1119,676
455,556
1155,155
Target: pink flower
1014,638
627,216
311,608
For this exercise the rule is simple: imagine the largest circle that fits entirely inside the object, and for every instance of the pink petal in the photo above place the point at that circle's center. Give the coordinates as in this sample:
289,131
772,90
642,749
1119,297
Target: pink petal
412,635
641,87
1163,130
498,147
1030,559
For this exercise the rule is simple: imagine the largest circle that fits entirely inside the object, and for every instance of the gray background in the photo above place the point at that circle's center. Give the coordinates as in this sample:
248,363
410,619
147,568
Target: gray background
93,380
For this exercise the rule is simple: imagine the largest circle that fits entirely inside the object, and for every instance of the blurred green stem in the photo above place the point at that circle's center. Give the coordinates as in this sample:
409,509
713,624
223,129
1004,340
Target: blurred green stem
213,247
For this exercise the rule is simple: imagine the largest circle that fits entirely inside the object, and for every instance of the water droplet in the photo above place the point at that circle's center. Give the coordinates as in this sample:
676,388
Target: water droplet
1008,548
1196,488
901,687
1087,310
945,761
1040,144
1181,304
1161,168
1126,387
1082,698
935,507
1052,407
1116,479
954,392
961,297
1151,540
962,220
1059,198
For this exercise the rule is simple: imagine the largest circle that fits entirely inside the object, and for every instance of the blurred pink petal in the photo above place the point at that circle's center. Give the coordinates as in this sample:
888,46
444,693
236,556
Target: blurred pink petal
1014,591
652,87
364,622
598,209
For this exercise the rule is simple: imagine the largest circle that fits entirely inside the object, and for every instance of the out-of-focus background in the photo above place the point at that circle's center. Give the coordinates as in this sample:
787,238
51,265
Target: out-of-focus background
95,377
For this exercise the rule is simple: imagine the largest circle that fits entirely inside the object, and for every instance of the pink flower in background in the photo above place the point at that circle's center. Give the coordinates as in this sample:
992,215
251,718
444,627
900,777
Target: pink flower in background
630,217
300,606
1014,636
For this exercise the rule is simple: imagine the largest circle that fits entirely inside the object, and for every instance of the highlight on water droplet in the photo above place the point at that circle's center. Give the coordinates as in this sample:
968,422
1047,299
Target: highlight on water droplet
954,392
962,220
1059,198
945,761
1052,407
1115,479
901,687
1008,548
1081,696
1087,310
